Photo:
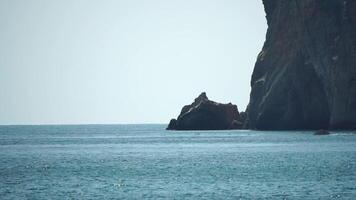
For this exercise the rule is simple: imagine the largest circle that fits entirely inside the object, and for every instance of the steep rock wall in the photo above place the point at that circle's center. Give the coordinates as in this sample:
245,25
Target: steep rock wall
305,75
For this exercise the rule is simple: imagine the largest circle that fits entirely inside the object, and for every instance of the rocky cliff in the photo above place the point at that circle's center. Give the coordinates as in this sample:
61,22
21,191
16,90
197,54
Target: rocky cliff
204,114
305,75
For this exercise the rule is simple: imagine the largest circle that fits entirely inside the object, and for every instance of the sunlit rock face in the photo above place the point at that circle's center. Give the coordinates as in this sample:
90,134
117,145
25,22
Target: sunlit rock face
204,114
305,75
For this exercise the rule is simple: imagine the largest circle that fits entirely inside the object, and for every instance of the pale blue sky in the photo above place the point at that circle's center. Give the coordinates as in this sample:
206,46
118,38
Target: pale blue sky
123,61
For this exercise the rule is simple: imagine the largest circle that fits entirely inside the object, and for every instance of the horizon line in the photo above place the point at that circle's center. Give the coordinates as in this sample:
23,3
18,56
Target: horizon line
76,124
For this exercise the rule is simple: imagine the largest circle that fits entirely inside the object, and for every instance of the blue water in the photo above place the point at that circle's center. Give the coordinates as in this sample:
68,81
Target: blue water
147,162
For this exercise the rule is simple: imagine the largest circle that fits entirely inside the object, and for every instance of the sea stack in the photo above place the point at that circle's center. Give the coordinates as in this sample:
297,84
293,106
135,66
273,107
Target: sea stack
305,75
204,114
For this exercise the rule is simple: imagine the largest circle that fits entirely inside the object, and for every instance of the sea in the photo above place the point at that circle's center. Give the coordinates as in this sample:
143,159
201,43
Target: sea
148,162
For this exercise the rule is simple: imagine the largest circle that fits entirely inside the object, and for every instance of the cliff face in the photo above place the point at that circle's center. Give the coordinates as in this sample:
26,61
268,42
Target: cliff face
305,75
204,114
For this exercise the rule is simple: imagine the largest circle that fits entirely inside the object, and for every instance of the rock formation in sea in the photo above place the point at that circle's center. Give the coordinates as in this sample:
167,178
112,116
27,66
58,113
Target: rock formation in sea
204,114
305,75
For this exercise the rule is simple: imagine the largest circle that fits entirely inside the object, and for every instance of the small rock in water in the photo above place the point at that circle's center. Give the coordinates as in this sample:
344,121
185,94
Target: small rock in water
204,114
322,132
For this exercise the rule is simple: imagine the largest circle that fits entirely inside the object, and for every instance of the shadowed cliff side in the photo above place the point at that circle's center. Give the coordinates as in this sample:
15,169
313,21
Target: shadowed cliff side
305,75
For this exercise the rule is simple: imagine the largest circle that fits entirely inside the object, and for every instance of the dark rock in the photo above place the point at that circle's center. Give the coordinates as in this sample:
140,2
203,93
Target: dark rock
204,114
305,75
235,124
243,116
172,124
322,132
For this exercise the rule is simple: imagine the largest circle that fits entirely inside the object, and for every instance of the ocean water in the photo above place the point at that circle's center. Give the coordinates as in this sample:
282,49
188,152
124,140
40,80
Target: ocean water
148,162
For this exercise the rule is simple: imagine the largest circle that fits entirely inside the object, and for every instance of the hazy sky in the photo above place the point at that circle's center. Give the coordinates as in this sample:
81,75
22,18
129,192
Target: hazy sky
123,61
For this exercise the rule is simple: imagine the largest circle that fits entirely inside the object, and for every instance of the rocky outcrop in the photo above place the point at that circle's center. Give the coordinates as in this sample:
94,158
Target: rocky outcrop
305,75
204,114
